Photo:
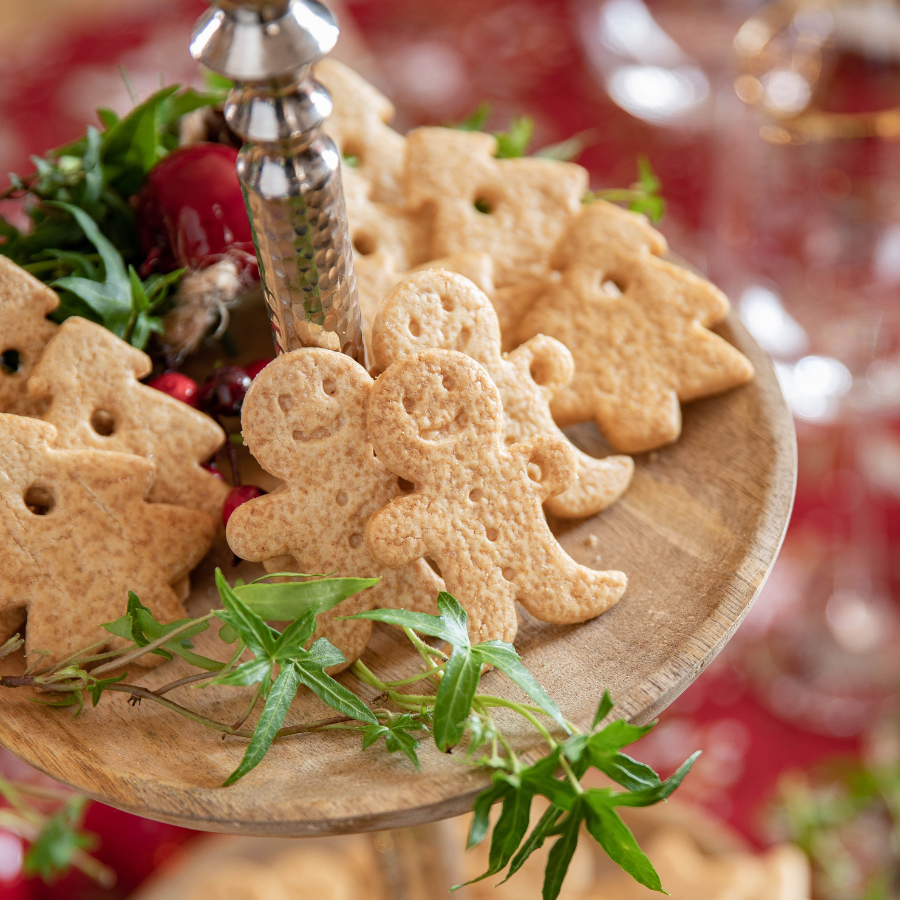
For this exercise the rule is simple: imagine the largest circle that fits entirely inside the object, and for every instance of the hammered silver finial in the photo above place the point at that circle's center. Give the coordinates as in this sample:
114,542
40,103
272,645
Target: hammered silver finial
289,169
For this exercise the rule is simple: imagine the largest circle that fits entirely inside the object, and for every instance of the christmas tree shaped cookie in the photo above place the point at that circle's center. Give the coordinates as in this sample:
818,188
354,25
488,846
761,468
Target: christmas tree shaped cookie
96,402
512,209
437,309
637,327
304,419
77,536
24,332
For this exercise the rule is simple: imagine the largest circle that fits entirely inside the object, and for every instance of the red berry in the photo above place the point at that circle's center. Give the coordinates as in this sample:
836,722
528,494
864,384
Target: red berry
237,496
191,212
213,469
254,368
223,391
178,386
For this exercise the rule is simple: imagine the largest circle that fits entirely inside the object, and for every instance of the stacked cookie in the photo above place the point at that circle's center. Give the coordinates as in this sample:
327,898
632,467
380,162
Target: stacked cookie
101,487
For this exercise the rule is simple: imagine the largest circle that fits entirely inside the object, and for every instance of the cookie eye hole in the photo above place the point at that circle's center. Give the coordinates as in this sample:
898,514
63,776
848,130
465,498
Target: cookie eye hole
615,287
483,205
491,534
103,422
405,485
509,573
39,500
285,401
534,472
341,499
329,385
475,495
447,382
356,541
415,327
448,303
10,362
409,404
363,243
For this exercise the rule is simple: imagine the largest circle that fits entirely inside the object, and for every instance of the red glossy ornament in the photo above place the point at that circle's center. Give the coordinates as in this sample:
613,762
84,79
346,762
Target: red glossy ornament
237,496
191,213
179,386
223,391
253,369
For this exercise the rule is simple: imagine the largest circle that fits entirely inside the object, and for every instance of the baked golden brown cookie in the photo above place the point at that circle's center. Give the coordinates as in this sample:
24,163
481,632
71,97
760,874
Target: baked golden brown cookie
438,309
637,327
24,332
435,418
96,402
78,535
304,419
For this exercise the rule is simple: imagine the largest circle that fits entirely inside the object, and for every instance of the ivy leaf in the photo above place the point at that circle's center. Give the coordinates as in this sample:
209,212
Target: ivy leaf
455,695
535,840
450,625
651,795
254,632
101,684
572,147
60,839
293,639
606,827
503,656
474,122
291,600
562,851
278,702
310,670
397,734
603,710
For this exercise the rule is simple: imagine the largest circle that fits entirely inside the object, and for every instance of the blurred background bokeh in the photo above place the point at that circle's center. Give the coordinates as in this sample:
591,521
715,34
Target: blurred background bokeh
775,130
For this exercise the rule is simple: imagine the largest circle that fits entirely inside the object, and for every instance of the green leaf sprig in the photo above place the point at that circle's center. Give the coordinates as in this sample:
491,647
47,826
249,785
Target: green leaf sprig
273,666
642,197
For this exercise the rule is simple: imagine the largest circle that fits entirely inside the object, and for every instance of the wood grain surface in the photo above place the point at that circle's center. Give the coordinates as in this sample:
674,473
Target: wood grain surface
696,533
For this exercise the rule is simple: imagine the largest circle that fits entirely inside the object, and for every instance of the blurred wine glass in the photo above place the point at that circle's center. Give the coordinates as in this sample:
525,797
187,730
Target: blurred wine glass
807,216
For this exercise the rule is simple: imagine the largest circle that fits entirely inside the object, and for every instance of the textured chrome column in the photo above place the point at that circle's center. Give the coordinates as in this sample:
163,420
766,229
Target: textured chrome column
289,170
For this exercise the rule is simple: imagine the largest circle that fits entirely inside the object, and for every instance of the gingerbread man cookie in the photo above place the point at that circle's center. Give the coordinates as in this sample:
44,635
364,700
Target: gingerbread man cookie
24,332
96,401
437,309
304,419
512,209
435,418
637,328
78,535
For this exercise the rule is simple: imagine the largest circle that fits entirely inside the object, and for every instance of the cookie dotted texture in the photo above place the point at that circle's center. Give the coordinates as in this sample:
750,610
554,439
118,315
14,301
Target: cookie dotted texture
77,535
373,187
436,419
529,200
24,329
637,328
304,420
437,309
91,379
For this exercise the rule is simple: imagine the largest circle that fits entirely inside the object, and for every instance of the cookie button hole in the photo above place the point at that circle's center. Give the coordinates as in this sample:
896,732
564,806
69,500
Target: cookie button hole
491,534
39,500
447,382
534,472
508,573
341,499
356,541
483,205
364,244
615,287
405,485
10,362
415,327
409,404
329,385
542,372
448,303
103,422
475,495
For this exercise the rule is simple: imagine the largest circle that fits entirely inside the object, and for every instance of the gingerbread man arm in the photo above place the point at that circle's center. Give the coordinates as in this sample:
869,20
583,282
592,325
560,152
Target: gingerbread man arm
555,460
547,361
394,533
260,529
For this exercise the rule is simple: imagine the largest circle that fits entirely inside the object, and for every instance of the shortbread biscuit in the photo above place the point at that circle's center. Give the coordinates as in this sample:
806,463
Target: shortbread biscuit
304,419
435,418
637,328
378,273
512,209
24,332
437,309
96,401
78,535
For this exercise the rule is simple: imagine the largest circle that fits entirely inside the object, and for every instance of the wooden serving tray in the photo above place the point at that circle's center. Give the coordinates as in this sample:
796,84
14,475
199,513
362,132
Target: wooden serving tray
696,533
